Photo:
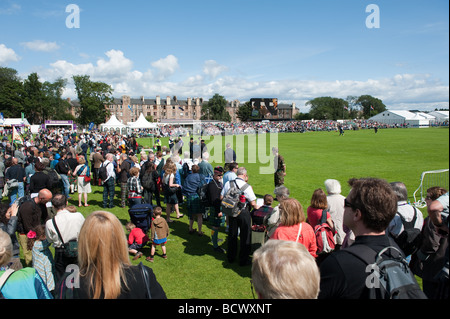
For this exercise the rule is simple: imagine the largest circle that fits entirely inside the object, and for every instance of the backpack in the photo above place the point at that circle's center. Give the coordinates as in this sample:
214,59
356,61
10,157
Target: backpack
185,170
231,204
54,177
389,277
324,235
410,239
102,172
148,181
202,192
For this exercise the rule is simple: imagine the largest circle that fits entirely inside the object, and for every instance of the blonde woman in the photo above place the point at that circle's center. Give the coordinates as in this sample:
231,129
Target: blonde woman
104,266
84,187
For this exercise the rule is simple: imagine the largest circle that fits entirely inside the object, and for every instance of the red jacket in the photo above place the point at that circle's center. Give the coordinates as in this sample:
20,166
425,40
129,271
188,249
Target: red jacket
307,237
138,236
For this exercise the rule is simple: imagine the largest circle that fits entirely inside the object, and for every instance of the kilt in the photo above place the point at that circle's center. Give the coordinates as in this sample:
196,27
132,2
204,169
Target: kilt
194,205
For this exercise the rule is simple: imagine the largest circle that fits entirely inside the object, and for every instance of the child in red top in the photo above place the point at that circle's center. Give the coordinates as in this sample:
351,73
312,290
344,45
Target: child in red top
136,240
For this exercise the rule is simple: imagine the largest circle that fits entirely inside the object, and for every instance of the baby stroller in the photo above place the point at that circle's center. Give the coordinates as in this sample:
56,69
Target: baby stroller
141,215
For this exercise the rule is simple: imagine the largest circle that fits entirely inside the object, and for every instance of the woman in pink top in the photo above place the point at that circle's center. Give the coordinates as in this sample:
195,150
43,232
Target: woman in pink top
293,226
314,211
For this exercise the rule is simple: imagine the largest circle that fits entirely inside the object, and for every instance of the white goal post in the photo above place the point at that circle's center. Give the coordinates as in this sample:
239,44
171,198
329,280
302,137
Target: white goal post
429,179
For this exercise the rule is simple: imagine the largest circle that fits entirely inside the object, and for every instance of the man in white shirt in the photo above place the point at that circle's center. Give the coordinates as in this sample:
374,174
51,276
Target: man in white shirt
243,222
405,210
69,226
109,183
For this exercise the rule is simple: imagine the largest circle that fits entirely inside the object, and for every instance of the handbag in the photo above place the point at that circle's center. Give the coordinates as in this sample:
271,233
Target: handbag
146,280
12,183
87,177
71,248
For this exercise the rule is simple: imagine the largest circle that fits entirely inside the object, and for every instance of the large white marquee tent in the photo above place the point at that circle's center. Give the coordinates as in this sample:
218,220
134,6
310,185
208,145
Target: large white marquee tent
401,117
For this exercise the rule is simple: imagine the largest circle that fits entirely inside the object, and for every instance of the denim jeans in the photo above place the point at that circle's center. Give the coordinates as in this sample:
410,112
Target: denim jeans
108,191
17,193
66,185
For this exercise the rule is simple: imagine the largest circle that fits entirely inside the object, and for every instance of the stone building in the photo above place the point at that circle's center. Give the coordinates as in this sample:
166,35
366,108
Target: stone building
171,109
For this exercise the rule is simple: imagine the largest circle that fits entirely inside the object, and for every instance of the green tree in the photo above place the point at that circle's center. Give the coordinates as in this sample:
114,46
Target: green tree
56,105
302,116
11,93
92,97
370,105
215,109
327,108
244,111
35,106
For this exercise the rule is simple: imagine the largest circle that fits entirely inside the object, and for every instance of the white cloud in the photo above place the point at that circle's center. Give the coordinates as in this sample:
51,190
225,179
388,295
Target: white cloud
404,91
42,46
7,55
213,69
166,67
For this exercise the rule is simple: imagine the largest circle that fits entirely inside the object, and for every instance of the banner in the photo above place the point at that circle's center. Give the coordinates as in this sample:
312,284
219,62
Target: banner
16,138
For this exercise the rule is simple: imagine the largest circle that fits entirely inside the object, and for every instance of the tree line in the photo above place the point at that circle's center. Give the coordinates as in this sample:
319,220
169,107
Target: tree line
330,108
41,101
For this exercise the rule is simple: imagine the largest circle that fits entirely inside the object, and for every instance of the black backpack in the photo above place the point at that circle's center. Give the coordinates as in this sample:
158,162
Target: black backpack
202,192
54,178
410,239
102,172
148,181
388,277
185,170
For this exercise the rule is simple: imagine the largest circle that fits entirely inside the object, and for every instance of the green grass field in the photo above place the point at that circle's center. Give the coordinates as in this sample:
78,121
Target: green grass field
194,270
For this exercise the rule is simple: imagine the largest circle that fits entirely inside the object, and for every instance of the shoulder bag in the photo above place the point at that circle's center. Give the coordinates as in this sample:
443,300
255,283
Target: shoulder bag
71,248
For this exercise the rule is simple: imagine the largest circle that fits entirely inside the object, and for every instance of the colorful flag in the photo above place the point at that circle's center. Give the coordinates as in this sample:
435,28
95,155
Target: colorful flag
371,107
131,109
16,137
346,108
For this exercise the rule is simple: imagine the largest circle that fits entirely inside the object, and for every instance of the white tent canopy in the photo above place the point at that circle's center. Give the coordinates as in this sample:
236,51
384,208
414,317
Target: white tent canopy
14,121
401,117
113,123
141,123
440,116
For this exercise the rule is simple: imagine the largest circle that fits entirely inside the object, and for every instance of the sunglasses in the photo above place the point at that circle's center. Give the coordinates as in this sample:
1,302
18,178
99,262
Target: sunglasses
348,204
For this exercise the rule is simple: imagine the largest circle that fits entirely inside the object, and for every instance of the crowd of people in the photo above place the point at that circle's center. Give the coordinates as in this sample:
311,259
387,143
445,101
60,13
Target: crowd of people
39,177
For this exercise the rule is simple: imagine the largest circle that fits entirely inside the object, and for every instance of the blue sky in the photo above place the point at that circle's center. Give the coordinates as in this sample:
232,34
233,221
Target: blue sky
292,50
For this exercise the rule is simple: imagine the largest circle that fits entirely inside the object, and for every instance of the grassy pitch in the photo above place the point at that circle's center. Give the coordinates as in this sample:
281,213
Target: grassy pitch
194,270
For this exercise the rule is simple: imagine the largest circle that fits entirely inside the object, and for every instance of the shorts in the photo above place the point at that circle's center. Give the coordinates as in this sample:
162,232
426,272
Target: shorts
158,242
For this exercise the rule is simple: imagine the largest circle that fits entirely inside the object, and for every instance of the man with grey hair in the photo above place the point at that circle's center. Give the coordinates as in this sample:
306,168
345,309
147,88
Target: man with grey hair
336,208
273,219
243,222
406,213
